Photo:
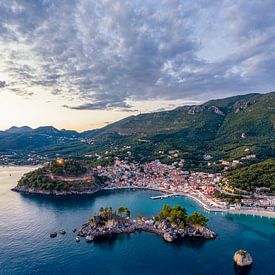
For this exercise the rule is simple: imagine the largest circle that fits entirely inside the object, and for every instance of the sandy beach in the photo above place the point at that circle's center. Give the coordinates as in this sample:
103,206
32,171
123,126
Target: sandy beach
253,212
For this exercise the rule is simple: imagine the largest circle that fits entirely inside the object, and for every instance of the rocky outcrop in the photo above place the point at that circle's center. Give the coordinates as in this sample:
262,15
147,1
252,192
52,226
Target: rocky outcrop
169,232
216,110
168,237
195,109
243,104
242,258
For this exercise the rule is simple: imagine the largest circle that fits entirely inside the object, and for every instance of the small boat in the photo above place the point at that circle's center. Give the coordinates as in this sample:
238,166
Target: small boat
62,232
53,235
77,239
74,230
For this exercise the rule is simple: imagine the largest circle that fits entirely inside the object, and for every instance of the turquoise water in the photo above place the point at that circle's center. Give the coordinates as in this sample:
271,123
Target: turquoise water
26,221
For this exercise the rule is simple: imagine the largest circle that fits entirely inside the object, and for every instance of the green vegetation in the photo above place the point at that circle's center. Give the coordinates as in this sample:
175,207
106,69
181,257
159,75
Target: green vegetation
177,214
197,219
228,198
124,212
37,180
241,252
107,213
261,174
52,178
223,128
67,167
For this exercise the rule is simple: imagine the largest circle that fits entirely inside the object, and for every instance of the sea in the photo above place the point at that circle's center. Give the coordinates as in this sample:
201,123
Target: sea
26,222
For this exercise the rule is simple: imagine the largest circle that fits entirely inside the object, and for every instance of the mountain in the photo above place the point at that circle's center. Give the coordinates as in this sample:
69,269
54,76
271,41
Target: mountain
26,138
253,109
18,130
229,128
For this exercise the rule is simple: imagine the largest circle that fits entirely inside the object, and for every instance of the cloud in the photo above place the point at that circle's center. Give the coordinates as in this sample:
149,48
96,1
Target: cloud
2,84
103,105
109,52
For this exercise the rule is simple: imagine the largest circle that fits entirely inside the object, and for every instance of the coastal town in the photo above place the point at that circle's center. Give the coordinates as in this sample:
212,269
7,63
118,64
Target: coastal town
174,180
212,191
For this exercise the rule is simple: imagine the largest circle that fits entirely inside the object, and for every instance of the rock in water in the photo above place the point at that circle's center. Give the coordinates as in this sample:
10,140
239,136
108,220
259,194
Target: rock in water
89,238
242,258
168,237
53,235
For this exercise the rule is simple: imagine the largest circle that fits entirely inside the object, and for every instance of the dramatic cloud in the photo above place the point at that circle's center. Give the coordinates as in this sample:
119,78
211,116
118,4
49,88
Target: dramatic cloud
2,84
109,52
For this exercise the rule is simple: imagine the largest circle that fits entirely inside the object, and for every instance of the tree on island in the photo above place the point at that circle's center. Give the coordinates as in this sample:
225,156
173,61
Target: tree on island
175,214
124,212
197,219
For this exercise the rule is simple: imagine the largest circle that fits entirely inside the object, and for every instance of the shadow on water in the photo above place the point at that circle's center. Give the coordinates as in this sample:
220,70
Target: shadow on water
242,270
110,240
195,242
62,201
69,200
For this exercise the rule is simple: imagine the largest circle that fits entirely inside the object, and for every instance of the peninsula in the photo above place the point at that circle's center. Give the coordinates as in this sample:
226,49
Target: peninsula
61,177
171,223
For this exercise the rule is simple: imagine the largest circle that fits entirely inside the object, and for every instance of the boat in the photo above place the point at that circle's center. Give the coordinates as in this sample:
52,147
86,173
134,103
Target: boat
77,239
62,232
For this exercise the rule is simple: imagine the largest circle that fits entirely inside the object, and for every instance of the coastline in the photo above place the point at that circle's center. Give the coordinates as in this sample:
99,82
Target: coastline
53,193
206,207
253,212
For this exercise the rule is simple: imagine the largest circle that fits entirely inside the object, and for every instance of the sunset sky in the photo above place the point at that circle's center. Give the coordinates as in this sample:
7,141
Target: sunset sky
81,64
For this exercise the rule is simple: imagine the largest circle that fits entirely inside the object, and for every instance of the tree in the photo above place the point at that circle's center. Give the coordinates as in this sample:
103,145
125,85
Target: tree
174,214
197,219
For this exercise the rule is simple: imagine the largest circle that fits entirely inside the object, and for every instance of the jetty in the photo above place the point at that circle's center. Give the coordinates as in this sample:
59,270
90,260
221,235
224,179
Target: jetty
165,196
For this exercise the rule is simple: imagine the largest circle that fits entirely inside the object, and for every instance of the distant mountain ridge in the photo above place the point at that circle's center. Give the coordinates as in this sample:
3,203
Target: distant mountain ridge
226,128
18,130
26,138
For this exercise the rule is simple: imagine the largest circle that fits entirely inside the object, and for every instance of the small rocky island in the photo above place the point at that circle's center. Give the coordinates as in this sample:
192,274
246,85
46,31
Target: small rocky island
61,177
242,258
171,223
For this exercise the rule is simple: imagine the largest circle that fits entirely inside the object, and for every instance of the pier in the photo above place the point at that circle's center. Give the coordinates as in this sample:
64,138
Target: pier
165,196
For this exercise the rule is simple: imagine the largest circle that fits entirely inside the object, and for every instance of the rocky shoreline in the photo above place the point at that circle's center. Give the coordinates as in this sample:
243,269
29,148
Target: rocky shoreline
168,233
25,190
100,226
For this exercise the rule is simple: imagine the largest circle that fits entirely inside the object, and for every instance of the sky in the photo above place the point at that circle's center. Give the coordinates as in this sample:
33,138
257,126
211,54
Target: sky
81,64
